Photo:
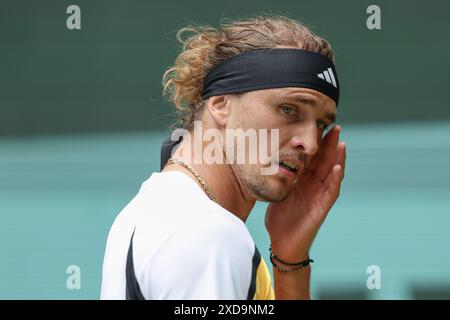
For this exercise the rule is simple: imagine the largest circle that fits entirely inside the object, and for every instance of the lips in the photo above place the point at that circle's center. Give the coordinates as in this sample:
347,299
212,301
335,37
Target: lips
291,165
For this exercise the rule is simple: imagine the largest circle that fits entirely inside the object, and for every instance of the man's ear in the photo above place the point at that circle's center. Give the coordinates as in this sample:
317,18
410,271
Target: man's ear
219,109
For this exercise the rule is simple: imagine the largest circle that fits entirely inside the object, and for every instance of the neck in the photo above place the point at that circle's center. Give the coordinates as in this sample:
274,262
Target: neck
221,180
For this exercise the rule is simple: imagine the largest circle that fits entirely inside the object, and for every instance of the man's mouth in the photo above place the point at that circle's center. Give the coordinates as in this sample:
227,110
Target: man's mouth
292,167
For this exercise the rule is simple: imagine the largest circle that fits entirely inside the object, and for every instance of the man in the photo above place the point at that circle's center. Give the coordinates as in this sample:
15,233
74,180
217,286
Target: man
184,236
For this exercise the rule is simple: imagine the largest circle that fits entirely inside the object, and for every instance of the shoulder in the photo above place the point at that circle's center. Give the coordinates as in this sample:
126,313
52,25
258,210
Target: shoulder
220,227
182,209
214,227
208,257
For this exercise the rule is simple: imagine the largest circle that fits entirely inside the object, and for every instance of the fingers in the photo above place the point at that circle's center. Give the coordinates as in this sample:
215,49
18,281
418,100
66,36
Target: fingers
334,179
328,155
311,166
341,155
315,159
333,183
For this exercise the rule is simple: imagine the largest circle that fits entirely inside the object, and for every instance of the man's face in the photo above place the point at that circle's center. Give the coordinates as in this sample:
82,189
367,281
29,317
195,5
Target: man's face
301,115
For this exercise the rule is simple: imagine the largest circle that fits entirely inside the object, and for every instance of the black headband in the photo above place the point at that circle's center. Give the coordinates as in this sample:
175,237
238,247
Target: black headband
273,68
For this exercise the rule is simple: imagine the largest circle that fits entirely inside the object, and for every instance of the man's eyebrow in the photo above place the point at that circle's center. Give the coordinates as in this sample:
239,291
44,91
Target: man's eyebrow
330,116
303,99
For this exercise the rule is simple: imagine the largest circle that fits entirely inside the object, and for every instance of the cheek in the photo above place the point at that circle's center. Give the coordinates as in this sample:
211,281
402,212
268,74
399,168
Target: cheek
242,116
247,120
256,114
286,133
234,121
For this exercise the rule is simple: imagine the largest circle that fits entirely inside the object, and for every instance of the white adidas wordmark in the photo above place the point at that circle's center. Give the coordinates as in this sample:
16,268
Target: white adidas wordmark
328,76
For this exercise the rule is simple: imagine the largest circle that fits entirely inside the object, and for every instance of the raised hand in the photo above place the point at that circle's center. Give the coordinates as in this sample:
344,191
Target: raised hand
293,223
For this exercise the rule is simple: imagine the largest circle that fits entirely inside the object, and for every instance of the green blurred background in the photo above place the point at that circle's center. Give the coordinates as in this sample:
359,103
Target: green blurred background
82,119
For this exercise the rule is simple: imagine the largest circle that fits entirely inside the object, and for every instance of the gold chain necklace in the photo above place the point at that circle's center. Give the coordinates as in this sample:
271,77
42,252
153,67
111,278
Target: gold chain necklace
202,182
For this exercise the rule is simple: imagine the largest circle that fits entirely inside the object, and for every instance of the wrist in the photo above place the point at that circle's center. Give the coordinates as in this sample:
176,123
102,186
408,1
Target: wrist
288,254
288,266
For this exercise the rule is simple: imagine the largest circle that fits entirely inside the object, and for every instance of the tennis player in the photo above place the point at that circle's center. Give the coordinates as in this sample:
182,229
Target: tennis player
183,236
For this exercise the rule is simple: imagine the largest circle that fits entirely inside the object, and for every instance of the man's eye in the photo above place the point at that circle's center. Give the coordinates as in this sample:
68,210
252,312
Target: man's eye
321,125
289,110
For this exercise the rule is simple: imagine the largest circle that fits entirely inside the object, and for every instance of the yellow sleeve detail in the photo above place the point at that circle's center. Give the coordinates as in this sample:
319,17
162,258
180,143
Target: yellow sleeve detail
264,289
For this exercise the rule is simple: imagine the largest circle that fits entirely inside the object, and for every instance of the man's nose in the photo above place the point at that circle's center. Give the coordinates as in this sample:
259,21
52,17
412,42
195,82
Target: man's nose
306,139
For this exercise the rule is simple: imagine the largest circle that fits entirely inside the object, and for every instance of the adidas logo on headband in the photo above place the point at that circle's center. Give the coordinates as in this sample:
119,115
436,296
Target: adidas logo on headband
328,76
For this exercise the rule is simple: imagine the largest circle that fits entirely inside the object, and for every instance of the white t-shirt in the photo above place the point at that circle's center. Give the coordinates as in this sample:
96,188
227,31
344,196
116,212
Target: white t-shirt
172,242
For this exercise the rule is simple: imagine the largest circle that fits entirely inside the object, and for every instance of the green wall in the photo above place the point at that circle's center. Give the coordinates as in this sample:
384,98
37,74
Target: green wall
106,76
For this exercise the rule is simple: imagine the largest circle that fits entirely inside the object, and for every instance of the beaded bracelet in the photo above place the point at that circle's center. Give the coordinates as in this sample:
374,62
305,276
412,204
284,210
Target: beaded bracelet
297,265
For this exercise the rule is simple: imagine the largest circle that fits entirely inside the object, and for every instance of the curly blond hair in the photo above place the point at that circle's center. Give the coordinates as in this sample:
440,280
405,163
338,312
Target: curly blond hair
204,47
